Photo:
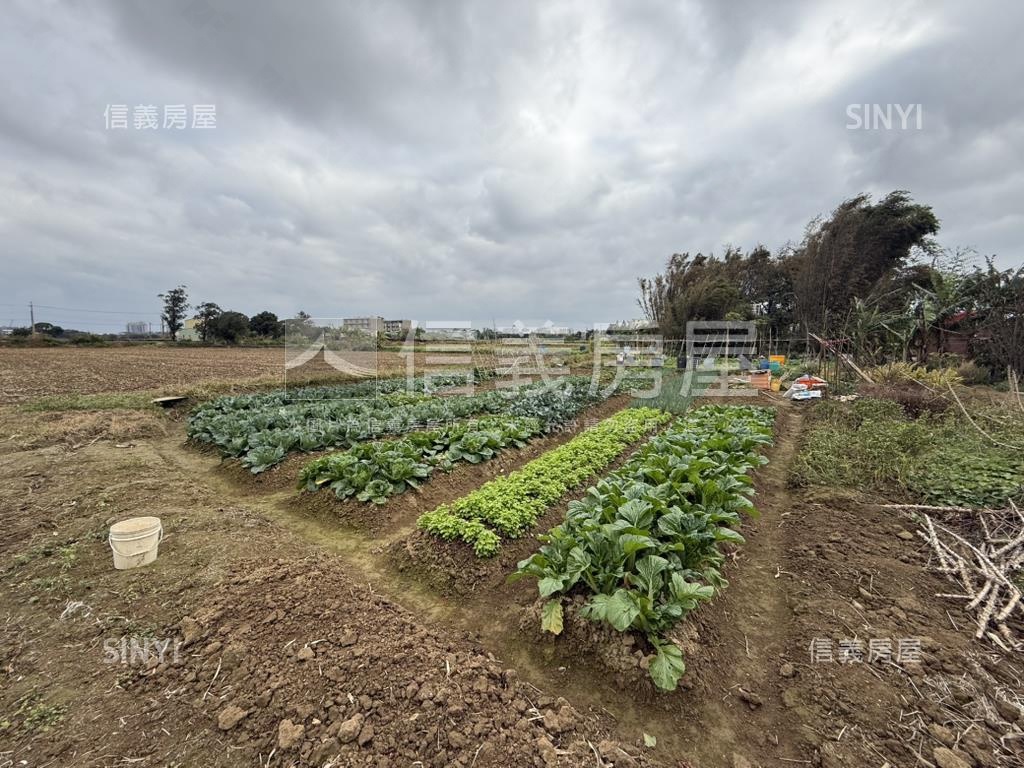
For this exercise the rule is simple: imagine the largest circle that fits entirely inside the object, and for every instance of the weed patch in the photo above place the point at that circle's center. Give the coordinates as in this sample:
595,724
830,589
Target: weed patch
936,458
112,401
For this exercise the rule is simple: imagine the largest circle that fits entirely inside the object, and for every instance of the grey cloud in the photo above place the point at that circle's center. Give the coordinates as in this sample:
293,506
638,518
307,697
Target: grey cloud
465,159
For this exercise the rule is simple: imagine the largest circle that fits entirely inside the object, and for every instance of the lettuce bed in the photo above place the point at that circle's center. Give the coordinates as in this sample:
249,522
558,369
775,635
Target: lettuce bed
509,506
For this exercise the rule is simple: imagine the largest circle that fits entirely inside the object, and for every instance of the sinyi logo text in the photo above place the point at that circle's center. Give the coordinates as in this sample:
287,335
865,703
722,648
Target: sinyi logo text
874,117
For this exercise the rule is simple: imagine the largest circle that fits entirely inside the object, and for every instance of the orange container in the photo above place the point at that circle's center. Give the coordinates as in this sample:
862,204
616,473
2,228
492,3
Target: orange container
761,379
780,359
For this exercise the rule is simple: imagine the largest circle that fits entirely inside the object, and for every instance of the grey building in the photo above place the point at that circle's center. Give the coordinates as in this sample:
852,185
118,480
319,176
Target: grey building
397,327
371,325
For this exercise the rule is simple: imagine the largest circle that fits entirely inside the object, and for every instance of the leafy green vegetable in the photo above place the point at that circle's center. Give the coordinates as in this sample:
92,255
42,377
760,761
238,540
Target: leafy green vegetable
263,457
668,666
375,471
509,506
644,542
551,617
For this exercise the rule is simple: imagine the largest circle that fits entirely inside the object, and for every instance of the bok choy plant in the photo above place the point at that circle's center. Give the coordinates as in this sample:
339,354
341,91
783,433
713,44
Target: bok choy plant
644,543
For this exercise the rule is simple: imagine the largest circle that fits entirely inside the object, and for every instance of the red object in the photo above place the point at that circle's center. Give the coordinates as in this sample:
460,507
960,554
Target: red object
812,382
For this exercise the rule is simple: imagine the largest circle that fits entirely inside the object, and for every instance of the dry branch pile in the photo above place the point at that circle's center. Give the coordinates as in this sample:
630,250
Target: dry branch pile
986,570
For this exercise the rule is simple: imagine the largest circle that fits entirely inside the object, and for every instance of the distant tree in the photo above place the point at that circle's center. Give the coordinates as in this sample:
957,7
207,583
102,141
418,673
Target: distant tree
936,301
23,331
875,333
229,327
694,288
852,276
852,253
49,329
205,315
486,334
266,324
300,326
766,285
1000,307
175,307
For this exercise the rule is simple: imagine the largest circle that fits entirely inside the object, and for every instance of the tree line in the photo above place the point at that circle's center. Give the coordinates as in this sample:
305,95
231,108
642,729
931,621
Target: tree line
870,278
214,324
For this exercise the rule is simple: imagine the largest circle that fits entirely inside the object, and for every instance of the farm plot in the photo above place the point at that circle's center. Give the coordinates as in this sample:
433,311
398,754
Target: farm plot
260,430
375,471
378,470
644,543
509,506
68,374
815,565
938,458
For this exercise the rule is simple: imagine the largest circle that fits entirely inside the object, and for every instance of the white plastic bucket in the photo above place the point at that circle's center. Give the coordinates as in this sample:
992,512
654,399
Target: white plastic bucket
135,541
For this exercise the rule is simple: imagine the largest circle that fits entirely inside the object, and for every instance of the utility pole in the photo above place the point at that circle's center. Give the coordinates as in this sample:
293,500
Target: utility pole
32,317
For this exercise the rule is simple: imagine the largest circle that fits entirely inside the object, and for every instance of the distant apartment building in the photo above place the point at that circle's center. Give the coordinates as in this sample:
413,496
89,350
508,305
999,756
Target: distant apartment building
553,330
399,328
633,326
519,328
377,325
371,325
137,328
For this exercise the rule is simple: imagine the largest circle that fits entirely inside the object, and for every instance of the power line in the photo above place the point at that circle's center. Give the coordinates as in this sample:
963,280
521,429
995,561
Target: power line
96,311
111,324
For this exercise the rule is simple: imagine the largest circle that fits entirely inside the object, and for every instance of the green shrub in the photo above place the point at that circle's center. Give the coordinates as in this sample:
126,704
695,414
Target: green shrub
944,360
972,374
90,340
915,400
898,373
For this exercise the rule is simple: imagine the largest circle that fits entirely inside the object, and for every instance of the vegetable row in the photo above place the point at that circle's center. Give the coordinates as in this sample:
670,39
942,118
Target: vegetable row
369,388
261,430
377,470
509,506
644,543
262,433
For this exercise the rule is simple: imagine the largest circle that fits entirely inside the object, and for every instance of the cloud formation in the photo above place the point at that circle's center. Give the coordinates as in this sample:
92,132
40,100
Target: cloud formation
458,159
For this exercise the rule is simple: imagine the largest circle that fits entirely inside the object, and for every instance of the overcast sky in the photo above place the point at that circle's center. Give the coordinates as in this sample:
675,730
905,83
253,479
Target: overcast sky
438,159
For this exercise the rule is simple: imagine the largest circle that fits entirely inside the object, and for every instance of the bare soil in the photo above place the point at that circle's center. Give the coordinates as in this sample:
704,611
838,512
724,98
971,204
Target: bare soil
304,645
31,372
